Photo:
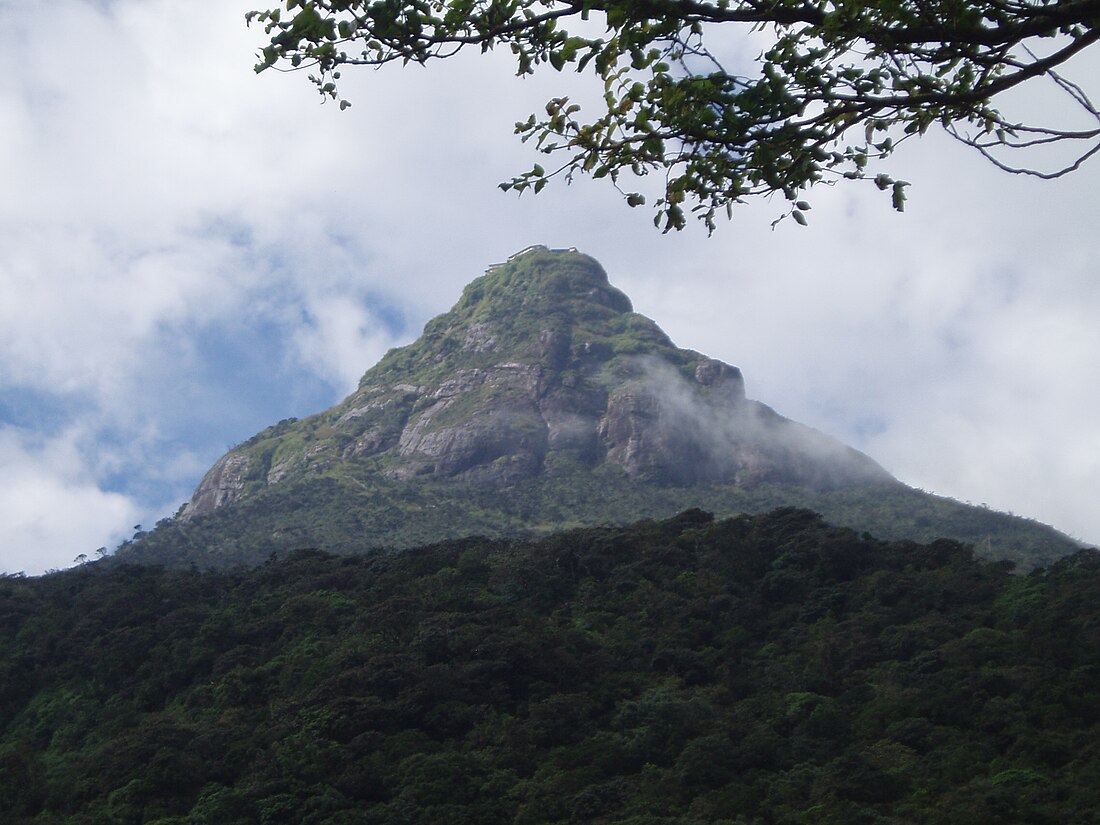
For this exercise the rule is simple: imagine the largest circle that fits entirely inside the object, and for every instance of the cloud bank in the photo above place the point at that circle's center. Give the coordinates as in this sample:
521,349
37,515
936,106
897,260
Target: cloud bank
189,252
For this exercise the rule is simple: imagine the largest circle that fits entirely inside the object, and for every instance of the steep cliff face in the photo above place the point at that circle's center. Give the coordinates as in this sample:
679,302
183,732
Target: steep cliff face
222,484
541,368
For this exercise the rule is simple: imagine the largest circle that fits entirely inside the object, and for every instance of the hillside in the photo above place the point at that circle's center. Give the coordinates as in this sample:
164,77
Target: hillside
541,401
760,669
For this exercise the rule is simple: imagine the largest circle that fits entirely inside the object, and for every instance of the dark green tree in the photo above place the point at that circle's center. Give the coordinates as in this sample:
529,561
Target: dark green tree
838,84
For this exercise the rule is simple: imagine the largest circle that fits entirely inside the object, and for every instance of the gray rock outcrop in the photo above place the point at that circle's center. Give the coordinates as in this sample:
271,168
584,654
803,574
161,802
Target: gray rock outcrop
543,366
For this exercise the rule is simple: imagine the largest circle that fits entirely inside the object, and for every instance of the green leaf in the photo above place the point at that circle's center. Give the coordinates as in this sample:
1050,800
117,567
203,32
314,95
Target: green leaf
898,197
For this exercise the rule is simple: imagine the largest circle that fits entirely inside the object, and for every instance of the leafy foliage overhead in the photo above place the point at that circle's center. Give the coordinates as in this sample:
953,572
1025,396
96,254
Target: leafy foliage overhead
837,84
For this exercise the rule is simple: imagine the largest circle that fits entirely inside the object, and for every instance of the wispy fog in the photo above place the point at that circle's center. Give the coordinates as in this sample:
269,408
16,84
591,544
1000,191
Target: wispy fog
713,433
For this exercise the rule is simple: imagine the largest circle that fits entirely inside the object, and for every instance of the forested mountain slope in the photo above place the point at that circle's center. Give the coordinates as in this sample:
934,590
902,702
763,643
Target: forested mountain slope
767,669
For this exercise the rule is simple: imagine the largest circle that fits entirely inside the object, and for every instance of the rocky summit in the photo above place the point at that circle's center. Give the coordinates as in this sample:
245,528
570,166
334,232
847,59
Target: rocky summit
543,367
542,401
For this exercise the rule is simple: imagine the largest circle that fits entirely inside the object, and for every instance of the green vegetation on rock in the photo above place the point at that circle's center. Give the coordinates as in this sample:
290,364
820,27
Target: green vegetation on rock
349,515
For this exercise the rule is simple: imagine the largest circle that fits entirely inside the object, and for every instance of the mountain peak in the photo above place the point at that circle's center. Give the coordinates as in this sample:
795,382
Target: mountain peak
537,276
540,370
541,401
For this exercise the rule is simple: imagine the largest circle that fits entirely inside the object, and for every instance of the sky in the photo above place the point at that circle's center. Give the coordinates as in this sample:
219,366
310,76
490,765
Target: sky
190,252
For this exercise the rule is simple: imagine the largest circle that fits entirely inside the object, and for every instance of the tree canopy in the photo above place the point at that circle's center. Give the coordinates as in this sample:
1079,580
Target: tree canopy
761,669
837,84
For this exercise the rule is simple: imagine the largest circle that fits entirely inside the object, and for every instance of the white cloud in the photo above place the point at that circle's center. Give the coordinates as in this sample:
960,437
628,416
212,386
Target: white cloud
340,338
51,510
953,343
159,199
